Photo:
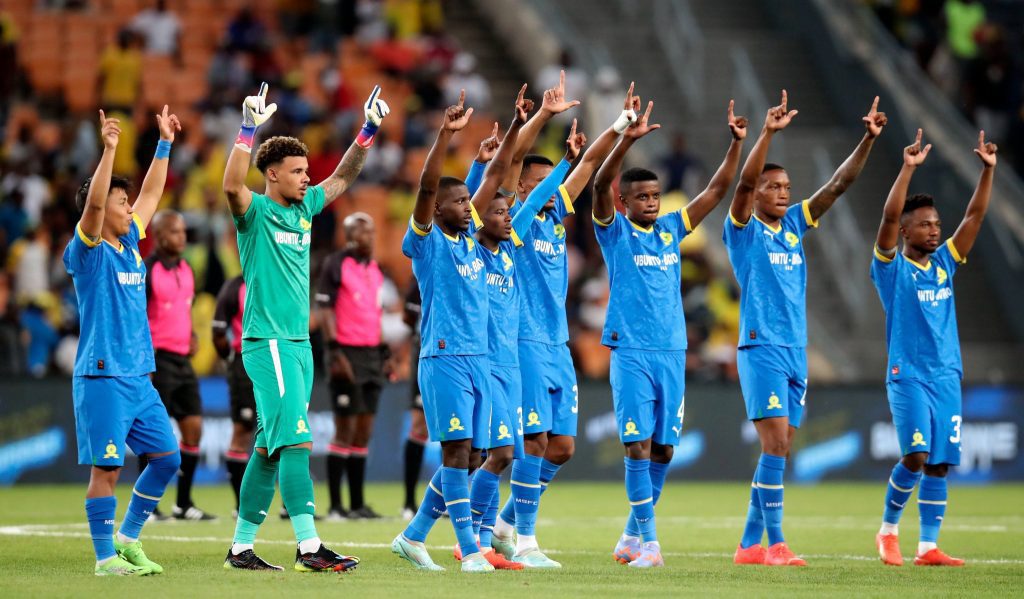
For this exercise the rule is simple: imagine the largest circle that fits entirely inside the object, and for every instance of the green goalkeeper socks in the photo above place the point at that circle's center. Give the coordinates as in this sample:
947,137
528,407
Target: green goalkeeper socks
255,496
297,491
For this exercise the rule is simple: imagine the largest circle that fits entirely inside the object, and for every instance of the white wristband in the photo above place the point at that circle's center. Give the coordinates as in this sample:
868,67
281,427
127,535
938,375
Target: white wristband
627,118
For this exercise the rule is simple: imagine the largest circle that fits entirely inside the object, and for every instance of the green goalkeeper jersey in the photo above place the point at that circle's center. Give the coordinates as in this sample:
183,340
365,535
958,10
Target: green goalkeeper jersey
273,244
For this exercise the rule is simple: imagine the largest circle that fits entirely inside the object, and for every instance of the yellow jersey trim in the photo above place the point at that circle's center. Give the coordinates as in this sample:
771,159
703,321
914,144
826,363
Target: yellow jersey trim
515,239
777,229
477,221
417,230
456,239
924,268
686,221
85,238
118,248
639,228
601,224
566,199
541,216
882,257
138,223
807,214
956,255
736,223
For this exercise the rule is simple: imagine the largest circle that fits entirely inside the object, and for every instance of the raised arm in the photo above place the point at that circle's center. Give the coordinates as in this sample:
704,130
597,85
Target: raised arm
541,193
848,171
455,118
255,112
496,170
374,109
889,230
583,170
554,103
604,200
777,119
91,223
967,232
488,147
706,200
153,185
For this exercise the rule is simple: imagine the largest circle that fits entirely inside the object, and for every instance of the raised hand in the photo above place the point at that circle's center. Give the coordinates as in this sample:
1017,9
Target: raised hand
779,116
737,124
489,146
574,143
457,117
874,121
109,131
375,109
628,115
554,98
523,106
986,151
255,110
641,127
168,124
914,154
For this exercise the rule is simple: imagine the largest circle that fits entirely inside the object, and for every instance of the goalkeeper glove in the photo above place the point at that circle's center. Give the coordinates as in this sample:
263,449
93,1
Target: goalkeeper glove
374,110
255,112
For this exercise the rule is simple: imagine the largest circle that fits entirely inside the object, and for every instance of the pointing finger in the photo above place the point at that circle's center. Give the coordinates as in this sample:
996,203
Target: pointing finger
784,100
103,117
731,104
561,80
522,92
917,142
647,113
494,130
874,105
264,88
462,98
981,138
572,132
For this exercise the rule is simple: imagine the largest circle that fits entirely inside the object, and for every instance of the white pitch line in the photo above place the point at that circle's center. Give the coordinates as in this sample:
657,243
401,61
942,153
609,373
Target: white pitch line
39,530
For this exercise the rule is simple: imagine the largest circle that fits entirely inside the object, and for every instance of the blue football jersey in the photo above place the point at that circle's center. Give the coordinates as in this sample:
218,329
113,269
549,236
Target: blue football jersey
920,315
503,295
110,284
544,273
769,266
645,307
453,285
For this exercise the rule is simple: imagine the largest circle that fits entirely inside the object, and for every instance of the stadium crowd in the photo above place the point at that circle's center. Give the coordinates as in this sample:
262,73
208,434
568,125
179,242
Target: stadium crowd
321,58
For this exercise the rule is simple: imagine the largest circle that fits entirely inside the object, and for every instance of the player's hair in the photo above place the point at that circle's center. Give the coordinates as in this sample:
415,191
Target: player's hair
116,182
278,148
447,183
918,200
532,159
635,174
771,166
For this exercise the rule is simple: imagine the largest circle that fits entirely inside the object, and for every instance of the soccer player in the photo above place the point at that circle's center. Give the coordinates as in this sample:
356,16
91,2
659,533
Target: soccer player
116,406
454,372
763,236
502,238
170,289
645,327
550,399
417,437
349,298
273,243
227,340
924,370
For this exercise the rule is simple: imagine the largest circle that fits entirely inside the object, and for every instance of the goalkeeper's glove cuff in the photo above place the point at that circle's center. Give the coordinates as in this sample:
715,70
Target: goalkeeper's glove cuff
366,134
245,138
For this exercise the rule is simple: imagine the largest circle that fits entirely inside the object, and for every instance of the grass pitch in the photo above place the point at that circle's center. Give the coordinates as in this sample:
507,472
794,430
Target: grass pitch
45,549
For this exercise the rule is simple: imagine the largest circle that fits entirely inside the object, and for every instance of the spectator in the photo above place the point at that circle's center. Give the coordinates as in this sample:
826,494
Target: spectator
963,18
682,169
10,347
35,191
246,33
160,29
465,77
383,164
13,221
120,73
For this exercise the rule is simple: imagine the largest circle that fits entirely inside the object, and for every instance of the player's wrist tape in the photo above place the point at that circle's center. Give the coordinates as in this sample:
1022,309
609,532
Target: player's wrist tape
163,149
624,120
245,138
366,134
506,193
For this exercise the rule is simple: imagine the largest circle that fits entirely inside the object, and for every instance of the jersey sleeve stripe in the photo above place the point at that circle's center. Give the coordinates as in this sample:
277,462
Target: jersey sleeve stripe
686,220
598,222
477,222
415,228
882,257
138,225
516,240
736,223
807,214
953,251
85,238
564,194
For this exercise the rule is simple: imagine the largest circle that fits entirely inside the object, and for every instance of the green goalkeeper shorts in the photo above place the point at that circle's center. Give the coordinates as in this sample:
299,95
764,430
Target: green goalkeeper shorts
282,381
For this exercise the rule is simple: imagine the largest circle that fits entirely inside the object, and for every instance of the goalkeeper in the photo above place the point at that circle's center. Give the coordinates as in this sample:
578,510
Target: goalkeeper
273,243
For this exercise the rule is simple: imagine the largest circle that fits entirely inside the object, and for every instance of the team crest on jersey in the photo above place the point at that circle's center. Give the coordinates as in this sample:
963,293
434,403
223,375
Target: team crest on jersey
455,425
773,402
506,262
666,238
918,440
305,224
560,231
503,432
110,451
941,274
301,429
631,429
792,239
533,419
